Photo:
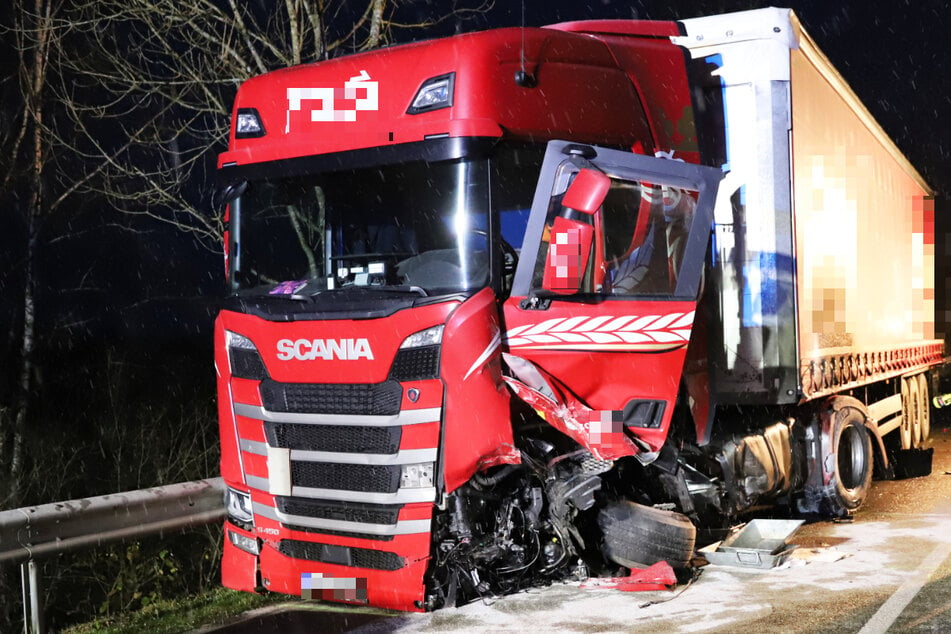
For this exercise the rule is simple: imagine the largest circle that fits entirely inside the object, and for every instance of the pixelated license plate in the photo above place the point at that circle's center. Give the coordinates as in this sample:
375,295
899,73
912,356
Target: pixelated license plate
321,586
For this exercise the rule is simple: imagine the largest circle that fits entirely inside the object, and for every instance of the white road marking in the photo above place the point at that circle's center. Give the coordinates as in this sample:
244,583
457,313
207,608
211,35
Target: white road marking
892,609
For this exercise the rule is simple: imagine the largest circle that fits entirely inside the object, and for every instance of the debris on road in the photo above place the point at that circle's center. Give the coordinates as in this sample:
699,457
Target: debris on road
659,576
762,544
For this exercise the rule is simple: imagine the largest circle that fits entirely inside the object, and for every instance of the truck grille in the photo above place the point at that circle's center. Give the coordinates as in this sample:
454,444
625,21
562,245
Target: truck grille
414,364
324,531
336,438
348,477
344,511
366,399
341,555
327,431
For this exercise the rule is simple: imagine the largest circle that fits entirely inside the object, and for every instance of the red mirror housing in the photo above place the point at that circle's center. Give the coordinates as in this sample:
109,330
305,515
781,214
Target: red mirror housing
568,250
587,191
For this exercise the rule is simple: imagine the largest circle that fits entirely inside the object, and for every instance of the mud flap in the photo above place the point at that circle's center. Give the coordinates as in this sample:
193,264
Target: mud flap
912,463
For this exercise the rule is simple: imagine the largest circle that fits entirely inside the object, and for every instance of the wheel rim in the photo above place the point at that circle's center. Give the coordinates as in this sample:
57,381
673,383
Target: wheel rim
924,398
915,412
852,457
906,416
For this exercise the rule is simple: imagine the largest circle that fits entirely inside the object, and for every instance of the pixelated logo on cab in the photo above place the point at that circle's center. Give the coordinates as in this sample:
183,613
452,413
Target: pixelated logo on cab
316,585
328,103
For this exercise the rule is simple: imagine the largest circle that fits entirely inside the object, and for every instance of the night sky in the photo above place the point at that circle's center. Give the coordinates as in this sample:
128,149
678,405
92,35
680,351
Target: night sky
896,55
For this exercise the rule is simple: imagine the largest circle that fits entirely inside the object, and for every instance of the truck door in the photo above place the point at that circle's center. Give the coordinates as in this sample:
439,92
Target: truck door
605,293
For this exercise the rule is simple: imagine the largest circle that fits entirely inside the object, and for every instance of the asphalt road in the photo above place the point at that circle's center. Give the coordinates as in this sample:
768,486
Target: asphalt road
889,570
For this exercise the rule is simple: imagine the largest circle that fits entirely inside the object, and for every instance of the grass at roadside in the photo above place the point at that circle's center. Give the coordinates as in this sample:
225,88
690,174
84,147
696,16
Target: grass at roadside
180,615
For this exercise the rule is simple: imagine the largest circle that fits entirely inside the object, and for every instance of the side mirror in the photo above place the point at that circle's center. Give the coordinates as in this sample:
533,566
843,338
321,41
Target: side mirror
226,194
587,191
568,250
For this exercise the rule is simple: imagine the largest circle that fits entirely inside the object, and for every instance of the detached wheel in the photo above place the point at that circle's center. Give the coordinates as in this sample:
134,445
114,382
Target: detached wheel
637,536
853,461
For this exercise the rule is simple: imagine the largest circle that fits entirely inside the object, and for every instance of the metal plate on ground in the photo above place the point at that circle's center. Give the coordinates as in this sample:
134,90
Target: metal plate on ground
759,544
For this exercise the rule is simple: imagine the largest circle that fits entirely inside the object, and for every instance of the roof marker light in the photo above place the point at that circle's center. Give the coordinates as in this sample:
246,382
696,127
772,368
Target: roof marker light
435,93
248,124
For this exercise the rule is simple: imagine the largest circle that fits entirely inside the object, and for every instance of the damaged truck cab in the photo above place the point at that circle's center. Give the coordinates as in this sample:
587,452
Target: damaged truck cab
478,339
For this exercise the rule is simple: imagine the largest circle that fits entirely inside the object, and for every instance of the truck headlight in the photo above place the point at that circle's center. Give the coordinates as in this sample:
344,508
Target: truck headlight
416,476
435,93
244,357
429,337
238,505
245,543
248,125
418,356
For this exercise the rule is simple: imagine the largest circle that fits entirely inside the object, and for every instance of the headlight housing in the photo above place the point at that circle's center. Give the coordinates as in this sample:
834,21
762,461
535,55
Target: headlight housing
435,93
245,543
248,124
246,362
418,356
429,337
238,505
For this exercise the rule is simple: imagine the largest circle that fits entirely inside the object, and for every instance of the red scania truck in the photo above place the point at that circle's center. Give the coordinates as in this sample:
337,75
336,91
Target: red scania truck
523,304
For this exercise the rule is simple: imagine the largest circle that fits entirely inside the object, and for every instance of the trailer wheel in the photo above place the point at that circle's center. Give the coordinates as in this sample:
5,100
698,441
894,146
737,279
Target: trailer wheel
636,536
907,416
853,461
914,397
924,398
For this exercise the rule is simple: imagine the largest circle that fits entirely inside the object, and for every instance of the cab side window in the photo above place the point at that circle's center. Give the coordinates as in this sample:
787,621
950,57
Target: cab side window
644,229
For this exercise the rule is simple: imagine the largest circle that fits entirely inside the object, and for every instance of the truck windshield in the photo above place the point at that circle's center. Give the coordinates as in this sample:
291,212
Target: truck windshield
418,227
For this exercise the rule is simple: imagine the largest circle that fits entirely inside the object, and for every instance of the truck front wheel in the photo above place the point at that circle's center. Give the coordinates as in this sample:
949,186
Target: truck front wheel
853,461
636,536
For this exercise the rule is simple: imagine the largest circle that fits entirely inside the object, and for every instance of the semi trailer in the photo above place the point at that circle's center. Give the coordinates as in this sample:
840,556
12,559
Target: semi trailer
524,304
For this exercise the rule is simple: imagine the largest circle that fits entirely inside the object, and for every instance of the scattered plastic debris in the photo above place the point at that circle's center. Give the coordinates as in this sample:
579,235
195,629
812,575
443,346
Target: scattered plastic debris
820,555
660,576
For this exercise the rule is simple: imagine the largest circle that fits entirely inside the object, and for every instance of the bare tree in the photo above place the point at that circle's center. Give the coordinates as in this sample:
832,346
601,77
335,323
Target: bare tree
28,150
37,178
128,102
150,98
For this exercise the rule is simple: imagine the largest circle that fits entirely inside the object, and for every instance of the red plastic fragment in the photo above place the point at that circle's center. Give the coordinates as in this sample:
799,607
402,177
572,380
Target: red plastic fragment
660,576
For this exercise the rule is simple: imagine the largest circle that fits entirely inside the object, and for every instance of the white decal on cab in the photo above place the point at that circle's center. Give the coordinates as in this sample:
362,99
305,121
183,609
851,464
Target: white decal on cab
326,349
359,89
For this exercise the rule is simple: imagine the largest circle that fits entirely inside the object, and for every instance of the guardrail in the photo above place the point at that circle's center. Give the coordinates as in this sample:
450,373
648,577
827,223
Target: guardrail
36,532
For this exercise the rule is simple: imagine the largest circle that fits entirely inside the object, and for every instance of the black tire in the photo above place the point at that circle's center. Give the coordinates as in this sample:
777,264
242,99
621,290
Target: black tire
637,536
853,461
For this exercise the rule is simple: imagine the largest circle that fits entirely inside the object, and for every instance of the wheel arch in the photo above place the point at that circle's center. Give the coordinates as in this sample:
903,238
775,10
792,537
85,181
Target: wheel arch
846,479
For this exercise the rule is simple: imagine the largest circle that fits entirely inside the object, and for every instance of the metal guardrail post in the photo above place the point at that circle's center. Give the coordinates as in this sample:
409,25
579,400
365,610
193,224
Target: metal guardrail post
25,594
36,599
33,622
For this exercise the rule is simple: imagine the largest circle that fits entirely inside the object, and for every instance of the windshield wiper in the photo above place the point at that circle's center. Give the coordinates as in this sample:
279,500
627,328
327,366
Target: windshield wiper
391,289
311,298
